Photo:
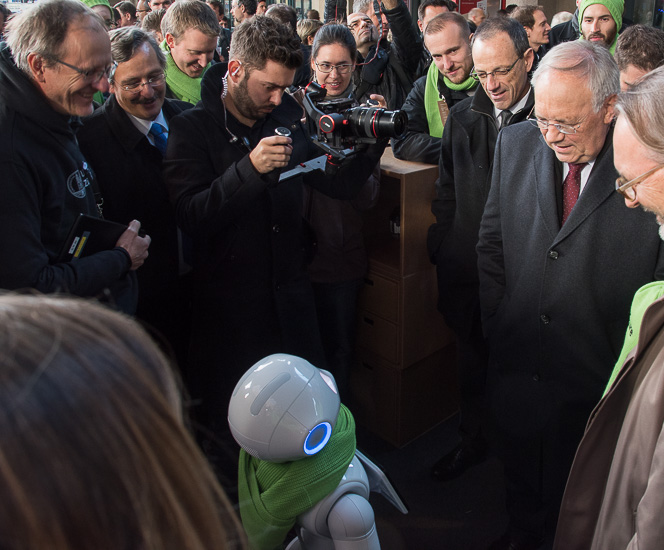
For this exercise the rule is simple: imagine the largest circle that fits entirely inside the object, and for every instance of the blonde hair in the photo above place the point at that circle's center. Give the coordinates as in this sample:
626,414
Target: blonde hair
93,451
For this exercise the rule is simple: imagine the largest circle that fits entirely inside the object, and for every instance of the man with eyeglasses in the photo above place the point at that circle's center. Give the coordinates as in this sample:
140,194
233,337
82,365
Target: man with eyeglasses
447,82
559,259
502,58
142,9
124,141
614,493
58,56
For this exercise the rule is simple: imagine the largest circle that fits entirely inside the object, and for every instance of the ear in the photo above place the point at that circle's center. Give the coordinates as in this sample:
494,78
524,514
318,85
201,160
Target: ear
170,41
529,57
419,24
234,70
36,64
610,104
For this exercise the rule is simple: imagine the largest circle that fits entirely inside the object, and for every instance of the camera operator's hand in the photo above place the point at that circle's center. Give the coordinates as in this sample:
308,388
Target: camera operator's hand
380,99
270,153
135,245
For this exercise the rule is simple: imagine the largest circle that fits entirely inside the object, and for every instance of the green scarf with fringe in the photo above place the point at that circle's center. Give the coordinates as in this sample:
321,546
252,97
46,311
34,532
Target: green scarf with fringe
431,97
181,85
273,495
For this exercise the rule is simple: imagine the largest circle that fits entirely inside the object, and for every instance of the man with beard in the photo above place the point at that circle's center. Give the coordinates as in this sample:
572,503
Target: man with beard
125,141
56,57
190,29
554,292
614,492
387,70
251,296
600,20
448,81
502,58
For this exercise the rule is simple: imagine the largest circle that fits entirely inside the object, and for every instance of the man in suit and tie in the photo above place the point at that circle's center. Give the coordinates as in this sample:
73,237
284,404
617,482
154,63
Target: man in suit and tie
558,266
502,58
125,141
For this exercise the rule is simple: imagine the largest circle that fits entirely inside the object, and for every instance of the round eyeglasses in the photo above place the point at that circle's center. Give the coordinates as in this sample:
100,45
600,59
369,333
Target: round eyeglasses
328,68
627,188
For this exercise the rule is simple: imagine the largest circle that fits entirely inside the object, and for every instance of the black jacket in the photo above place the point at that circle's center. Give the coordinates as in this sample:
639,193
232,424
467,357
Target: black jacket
392,72
129,169
46,184
417,144
565,32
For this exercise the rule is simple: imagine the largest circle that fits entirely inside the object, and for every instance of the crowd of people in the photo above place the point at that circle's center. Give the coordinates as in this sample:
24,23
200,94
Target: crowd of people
158,117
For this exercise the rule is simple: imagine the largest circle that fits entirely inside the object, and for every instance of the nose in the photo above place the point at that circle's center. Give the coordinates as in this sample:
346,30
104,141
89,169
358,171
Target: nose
275,97
102,84
205,58
448,63
595,25
492,82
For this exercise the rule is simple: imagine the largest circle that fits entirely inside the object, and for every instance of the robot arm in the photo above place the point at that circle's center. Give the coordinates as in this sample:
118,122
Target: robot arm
352,524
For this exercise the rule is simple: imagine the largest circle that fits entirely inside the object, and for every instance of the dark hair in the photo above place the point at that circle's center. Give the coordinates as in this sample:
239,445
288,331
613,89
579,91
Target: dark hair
264,38
284,13
218,5
93,450
496,25
313,14
421,10
126,7
125,42
442,20
641,46
334,33
510,8
526,15
250,6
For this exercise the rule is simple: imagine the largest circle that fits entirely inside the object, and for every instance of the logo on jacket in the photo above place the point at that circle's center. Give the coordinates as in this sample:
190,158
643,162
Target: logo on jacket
79,180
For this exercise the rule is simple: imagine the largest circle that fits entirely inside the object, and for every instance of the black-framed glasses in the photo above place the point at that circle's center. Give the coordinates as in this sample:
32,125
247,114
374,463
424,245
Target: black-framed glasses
481,75
137,87
91,75
627,188
344,68
566,129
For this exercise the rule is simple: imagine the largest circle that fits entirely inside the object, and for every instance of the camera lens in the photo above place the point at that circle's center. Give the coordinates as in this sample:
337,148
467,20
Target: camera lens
374,122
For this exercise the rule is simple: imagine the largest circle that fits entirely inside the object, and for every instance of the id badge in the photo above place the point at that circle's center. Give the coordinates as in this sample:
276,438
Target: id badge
443,109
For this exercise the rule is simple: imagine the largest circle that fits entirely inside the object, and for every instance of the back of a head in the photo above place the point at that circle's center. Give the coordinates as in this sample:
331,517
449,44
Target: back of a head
641,46
262,39
42,29
93,451
307,28
643,107
189,14
589,62
561,17
152,21
284,13
250,6
444,20
496,25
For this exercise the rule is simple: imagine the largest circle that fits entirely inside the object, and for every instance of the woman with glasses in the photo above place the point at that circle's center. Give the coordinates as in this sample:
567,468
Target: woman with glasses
340,263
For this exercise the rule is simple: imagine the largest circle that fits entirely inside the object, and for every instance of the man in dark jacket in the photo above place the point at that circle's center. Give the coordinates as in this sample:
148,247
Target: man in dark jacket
251,297
447,38
59,55
122,142
386,70
502,58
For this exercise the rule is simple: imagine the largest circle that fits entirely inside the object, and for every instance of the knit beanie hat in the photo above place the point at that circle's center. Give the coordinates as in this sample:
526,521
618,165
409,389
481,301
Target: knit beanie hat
92,3
615,7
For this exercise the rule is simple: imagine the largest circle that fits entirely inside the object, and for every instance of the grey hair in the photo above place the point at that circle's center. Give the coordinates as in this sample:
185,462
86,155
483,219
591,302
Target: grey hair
190,14
362,6
594,64
125,42
496,25
643,107
42,29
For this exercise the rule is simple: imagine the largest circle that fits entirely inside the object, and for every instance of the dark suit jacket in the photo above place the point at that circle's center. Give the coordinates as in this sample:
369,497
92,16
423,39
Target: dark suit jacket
128,168
555,302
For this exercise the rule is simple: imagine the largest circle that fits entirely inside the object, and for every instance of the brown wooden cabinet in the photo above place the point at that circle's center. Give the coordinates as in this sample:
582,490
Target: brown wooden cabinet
404,379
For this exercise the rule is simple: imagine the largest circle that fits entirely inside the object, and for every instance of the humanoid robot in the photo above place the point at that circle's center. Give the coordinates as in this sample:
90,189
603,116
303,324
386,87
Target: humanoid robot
299,465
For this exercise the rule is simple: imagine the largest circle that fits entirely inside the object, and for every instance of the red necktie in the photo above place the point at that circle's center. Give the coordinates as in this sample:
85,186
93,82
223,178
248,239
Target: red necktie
571,188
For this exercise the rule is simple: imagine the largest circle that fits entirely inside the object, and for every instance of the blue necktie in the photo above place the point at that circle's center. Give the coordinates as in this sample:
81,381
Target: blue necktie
160,140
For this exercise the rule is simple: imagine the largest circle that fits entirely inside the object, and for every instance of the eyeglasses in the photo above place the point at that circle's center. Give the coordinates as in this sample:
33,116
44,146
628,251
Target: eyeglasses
92,75
481,75
626,188
327,68
566,129
137,87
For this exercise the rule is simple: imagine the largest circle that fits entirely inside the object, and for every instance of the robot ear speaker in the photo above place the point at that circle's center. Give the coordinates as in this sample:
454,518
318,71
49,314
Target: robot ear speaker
317,438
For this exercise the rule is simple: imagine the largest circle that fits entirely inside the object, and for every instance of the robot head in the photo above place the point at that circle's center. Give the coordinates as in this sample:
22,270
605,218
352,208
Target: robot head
283,409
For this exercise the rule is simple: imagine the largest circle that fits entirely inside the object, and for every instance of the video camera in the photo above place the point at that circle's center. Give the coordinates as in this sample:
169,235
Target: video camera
340,126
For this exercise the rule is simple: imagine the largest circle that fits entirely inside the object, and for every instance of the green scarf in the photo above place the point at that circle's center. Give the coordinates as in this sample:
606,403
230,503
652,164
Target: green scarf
181,85
273,495
432,95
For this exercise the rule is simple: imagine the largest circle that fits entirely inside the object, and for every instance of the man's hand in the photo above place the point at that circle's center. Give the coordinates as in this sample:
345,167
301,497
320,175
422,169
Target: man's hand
136,246
270,153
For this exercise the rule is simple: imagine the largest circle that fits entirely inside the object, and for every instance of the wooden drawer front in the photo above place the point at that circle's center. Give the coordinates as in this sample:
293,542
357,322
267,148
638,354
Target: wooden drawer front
377,335
380,296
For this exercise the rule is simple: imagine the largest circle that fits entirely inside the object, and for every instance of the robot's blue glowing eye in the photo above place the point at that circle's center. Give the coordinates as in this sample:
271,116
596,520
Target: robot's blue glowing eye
317,438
